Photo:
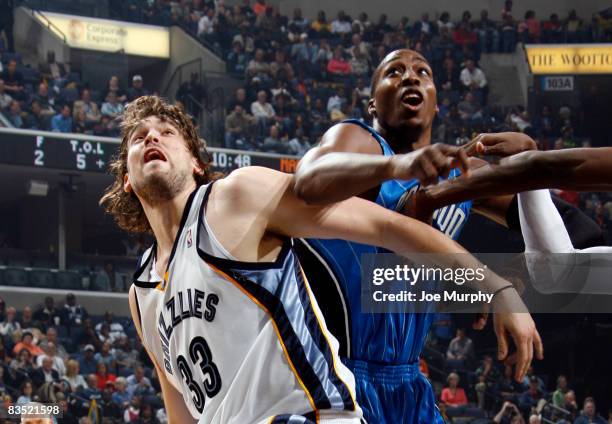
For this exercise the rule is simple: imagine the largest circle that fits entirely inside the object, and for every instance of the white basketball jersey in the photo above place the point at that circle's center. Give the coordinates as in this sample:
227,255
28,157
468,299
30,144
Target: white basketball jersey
242,342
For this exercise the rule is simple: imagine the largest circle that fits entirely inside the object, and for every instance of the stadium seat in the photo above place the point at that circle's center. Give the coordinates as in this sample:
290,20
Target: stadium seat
69,280
15,277
39,277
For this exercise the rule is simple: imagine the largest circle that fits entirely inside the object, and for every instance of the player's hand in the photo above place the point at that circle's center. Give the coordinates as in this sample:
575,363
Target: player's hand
500,144
520,326
429,163
415,206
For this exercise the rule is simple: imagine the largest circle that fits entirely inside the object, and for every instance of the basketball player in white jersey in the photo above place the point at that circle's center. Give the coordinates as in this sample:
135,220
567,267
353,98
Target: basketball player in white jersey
220,301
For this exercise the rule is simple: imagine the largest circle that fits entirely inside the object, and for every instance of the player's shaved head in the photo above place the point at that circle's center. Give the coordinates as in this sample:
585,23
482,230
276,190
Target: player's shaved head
394,55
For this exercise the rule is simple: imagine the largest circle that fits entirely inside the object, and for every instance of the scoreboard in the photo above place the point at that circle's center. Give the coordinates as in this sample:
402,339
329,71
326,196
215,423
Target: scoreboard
76,152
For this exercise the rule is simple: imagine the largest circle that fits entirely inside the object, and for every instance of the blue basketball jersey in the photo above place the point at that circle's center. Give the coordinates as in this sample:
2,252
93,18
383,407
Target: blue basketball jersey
381,338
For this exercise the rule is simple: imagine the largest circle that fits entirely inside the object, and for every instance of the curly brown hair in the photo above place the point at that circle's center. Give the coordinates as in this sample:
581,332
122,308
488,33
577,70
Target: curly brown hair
125,207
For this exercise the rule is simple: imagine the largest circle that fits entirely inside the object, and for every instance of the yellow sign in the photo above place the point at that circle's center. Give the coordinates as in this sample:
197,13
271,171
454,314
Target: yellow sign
570,58
111,36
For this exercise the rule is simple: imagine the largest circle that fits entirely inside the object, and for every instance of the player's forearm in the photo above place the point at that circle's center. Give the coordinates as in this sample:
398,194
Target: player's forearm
406,236
571,169
338,176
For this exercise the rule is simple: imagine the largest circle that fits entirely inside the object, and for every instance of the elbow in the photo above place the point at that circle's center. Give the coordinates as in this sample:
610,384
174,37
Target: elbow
305,187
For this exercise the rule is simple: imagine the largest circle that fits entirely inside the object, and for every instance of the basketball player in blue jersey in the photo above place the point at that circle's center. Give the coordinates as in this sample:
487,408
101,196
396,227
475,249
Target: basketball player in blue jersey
220,301
384,163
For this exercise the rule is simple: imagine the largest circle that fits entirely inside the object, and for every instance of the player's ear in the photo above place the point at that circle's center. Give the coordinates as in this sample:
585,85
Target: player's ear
197,168
127,186
372,108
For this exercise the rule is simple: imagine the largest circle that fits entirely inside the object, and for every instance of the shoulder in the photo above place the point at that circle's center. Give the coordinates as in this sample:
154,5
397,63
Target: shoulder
251,183
348,137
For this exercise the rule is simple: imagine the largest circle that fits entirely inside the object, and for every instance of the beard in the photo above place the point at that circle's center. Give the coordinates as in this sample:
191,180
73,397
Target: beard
160,187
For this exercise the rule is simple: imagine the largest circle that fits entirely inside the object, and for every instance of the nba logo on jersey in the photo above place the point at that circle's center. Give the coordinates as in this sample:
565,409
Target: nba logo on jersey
189,240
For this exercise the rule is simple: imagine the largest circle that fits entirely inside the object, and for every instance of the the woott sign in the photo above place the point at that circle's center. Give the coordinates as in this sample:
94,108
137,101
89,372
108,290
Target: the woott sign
570,58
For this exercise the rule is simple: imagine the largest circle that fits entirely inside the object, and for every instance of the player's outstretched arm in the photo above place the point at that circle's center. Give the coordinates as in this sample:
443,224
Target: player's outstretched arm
176,409
584,169
349,162
263,201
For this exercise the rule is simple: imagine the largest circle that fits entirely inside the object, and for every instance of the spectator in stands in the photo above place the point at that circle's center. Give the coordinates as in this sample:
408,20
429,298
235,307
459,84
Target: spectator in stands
137,89
299,22
508,34
469,109
45,373
488,35
80,125
263,112
16,116
338,65
120,396
237,59
46,101
464,35
530,397
13,81
558,396
110,409
138,384
125,355
529,30
47,315
114,87
589,414
6,22
85,104
238,125
298,145
57,362
508,414
3,388
342,24
112,107
206,24
116,329
104,376
27,323
5,99
132,413
489,370
473,78
27,342
273,143
280,69
453,396
240,98
25,393
36,119
461,347
51,337
192,93
73,376
62,122
573,28
258,70
54,71
320,27
91,392
444,22
87,362
423,26
10,324
22,365
73,313
552,30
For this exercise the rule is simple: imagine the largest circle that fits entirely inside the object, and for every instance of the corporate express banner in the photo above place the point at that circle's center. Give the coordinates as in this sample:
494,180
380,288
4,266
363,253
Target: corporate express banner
110,36
572,59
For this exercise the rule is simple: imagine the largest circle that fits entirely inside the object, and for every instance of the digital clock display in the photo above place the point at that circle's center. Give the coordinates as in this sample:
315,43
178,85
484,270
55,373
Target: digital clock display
93,154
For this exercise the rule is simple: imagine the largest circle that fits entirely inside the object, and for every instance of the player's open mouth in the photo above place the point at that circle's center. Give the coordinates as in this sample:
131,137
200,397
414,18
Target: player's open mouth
412,98
153,154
